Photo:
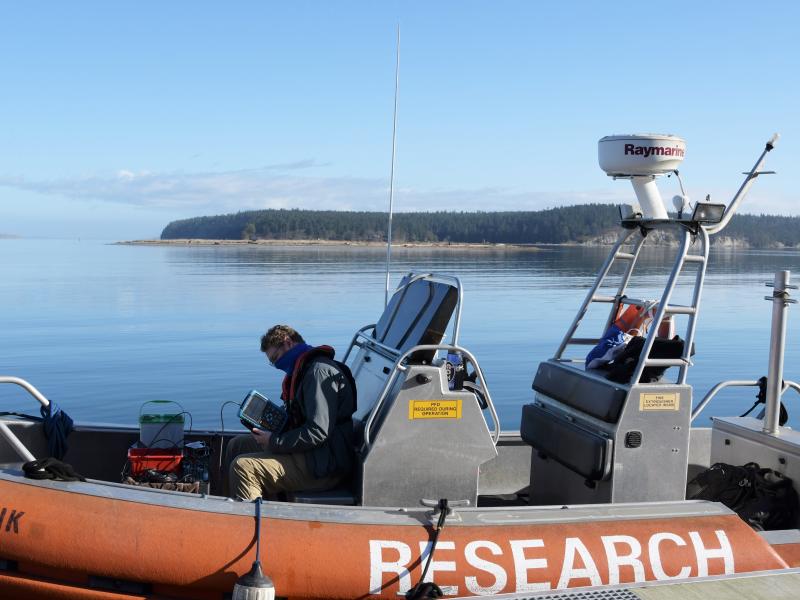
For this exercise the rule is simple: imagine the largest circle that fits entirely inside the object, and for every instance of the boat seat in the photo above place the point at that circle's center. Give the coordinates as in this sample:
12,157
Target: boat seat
596,396
417,314
338,496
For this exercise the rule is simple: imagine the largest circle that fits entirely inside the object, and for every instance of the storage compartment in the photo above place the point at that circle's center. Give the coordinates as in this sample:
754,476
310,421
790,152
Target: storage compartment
583,451
165,460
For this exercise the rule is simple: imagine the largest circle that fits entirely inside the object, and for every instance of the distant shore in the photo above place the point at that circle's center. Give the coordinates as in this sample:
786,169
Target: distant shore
330,243
723,242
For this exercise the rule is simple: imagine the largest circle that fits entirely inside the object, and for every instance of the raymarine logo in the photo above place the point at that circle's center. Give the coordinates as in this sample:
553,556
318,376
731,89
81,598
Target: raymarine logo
647,151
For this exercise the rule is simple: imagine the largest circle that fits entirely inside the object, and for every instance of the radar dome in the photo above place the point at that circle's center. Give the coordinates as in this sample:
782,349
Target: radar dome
640,154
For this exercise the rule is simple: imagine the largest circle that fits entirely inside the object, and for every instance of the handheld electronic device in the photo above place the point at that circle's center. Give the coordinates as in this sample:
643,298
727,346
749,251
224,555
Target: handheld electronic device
258,411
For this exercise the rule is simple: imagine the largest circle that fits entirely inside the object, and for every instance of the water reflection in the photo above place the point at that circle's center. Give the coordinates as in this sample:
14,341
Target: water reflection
103,328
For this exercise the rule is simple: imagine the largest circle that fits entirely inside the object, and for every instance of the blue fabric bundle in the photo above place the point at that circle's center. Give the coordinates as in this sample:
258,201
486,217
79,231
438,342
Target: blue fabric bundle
604,352
57,426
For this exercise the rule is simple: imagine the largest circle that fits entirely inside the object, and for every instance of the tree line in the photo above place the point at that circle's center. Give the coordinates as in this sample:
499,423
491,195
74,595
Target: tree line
555,225
568,224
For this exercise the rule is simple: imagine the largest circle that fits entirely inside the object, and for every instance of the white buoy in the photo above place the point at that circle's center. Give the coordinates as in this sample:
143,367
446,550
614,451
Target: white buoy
254,585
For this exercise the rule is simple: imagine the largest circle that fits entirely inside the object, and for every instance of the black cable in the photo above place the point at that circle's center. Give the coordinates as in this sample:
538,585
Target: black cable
749,410
222,443
420,591
221,418
258,529
172,445
761,396
173,419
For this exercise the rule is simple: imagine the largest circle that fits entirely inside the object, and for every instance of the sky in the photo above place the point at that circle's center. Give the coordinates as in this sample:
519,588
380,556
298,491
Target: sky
119,117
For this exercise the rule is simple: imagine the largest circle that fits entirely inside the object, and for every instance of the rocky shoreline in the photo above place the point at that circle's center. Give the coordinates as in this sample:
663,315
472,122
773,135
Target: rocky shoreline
604,240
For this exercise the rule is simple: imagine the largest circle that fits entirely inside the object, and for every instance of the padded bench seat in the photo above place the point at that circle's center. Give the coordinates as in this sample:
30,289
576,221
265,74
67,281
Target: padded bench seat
580,390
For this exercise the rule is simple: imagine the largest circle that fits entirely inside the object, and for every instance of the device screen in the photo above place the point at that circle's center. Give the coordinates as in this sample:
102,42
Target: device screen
255,406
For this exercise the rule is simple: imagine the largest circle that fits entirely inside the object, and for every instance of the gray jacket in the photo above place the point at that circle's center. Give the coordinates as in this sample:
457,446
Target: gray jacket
326,402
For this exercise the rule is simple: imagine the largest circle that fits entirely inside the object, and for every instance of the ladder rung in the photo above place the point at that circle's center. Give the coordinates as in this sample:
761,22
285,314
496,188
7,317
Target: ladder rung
677,309
609,299
667,362
694,258
633,302
585,341
625,255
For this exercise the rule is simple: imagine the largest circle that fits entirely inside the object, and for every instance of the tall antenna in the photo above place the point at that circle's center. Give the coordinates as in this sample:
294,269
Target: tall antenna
391,176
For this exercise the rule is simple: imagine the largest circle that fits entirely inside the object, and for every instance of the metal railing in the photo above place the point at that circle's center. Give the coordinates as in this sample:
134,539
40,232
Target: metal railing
775,385
400,367
6,432
690,231
682,258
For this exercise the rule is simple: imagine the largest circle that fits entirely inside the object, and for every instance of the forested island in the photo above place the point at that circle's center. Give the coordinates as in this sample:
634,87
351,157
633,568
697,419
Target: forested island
581,224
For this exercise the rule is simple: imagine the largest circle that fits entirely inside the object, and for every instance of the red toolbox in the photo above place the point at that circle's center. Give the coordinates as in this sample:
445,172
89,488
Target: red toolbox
159,459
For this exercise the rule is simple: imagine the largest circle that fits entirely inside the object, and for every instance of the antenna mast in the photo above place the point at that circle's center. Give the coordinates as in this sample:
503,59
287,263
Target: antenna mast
391,175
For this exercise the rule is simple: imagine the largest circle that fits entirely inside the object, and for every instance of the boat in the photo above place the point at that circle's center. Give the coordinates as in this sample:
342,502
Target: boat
589,493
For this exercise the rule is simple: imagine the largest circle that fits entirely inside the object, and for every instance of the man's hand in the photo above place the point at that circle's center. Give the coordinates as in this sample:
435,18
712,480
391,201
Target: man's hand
262,437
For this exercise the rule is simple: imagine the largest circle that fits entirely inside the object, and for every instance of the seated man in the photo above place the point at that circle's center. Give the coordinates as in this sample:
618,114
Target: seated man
315,449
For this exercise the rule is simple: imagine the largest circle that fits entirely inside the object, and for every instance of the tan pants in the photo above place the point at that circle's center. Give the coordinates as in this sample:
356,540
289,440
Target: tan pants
255,472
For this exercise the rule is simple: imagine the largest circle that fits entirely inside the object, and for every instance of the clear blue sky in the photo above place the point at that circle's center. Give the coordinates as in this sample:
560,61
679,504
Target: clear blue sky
118,117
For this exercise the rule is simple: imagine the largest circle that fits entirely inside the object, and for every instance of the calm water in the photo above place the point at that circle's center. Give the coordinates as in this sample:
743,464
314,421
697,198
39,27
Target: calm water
102,328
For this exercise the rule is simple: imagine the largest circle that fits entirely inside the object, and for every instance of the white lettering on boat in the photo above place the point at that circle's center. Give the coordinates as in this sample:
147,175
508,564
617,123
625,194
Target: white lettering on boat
647,151
589,572
617,560
625,558
522,564
439,565
654,550
725,552
499,573
379,566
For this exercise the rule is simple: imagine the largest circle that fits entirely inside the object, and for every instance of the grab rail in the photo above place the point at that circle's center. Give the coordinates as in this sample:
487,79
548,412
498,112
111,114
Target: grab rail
775,385
736,383
9,435
399,367
715,390
15,443
28,387
750,176
374,344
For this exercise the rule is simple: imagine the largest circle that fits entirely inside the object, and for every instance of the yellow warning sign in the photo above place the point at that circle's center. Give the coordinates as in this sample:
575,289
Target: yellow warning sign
671,401
434,409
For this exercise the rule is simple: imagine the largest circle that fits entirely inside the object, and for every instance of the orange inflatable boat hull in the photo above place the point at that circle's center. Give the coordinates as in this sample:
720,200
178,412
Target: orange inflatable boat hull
66,544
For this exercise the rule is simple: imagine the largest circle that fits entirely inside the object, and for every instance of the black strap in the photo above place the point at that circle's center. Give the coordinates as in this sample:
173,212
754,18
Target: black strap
429,590
761,398
51,468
